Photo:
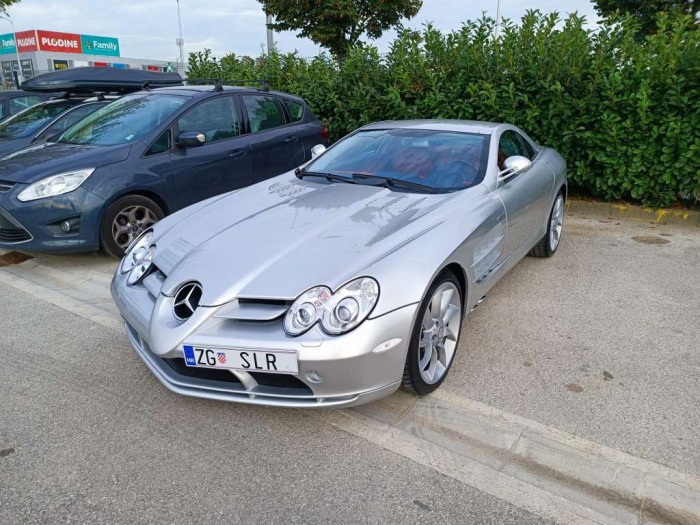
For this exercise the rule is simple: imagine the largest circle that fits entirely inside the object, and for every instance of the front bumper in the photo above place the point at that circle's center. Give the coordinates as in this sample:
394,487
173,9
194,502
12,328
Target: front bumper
352,367
37,225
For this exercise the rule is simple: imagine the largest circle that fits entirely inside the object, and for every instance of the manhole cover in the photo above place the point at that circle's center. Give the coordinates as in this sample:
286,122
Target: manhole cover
650,239
11,258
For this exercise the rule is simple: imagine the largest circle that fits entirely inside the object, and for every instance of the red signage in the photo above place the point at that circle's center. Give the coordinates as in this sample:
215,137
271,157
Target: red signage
61,42
27,41
152,68
100,64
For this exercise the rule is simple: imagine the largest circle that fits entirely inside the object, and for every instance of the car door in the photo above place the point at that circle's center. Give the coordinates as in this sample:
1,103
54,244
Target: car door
277,146
525,195
222,163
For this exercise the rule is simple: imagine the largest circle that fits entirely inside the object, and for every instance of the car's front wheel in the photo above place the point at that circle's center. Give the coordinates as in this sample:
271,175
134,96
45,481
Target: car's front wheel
548,244
124,220
435,336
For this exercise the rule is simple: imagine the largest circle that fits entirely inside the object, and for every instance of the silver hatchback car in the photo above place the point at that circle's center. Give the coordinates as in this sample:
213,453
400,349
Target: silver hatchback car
337,283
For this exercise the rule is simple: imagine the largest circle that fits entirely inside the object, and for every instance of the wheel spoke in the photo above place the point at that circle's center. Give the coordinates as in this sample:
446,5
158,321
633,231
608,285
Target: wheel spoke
427,354
449,314
445,301
450,334
432,366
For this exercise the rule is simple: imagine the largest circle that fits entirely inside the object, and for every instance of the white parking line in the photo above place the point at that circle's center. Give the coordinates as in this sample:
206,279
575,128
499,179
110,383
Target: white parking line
548,472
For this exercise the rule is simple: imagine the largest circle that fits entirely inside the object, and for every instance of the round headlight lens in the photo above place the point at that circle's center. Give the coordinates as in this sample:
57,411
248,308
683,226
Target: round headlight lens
141,269
306,310
350,305
136,252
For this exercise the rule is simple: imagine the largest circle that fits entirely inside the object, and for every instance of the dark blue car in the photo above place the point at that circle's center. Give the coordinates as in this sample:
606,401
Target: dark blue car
144,156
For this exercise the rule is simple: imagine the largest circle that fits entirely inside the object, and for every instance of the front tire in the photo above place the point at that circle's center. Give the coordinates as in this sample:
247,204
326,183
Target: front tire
125,219
548,244
435,336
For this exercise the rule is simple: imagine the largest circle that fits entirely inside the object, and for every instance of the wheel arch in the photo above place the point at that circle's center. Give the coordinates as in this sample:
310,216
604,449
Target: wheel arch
154,196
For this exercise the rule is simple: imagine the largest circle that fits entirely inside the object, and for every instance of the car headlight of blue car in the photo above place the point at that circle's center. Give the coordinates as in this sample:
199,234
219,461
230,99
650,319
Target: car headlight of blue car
337,312
55,185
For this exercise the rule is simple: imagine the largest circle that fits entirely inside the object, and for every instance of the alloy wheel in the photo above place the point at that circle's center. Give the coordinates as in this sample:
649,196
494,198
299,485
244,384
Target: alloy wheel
130,223
439,333
556,223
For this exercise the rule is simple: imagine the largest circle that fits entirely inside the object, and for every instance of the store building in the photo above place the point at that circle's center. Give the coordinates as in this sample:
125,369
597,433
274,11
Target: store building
37,51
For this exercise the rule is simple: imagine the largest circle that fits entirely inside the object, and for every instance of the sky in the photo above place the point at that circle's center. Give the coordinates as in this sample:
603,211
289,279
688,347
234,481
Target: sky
148,28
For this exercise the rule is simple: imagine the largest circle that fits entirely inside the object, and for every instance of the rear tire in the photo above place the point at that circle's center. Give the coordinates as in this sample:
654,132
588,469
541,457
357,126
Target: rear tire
124,220
547,245
435,336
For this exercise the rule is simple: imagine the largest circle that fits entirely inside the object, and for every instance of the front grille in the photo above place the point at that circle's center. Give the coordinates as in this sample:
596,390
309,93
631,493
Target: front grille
179,366
278,380
11,231
6,186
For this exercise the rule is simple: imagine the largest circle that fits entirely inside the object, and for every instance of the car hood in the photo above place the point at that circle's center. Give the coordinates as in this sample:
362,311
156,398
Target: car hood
35,162
10,145
280,237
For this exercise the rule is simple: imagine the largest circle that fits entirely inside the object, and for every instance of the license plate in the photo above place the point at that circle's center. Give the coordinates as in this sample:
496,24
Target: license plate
247,360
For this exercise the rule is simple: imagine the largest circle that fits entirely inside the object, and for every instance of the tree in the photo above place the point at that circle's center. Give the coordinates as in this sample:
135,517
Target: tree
646,11
338,25
4,4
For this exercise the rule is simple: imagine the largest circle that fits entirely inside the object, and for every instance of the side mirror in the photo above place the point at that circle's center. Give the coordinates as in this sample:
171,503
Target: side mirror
190,139
317,150
514,165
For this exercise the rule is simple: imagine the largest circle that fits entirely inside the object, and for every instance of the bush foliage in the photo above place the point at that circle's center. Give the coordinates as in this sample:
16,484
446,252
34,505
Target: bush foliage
624,112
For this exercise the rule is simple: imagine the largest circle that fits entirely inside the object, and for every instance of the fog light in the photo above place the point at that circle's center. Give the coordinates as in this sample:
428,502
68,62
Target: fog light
314,377
65,226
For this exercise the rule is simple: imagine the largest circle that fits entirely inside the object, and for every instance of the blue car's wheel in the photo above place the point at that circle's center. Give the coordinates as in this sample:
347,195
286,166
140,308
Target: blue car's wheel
126,219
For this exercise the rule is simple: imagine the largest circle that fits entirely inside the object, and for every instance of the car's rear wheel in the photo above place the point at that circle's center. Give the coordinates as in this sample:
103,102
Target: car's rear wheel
548,244
435,336
124,220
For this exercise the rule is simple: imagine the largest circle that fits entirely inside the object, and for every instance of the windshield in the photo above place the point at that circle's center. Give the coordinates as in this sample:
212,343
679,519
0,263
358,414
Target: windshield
442,160
30,120
125,120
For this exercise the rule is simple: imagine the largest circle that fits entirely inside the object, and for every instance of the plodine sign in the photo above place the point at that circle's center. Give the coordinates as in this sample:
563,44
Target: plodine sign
41,40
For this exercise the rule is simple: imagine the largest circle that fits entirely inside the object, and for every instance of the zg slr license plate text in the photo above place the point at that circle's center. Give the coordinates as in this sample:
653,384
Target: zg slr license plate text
248,360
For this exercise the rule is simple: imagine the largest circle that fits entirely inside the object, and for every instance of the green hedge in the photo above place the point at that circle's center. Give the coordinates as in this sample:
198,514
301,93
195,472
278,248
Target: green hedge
624,112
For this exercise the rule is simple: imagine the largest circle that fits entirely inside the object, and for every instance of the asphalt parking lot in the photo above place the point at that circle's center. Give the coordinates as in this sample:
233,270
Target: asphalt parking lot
574,398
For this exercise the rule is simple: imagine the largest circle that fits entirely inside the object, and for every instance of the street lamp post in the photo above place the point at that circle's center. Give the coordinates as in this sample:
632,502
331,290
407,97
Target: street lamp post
498,18
180,41
20,77
270,43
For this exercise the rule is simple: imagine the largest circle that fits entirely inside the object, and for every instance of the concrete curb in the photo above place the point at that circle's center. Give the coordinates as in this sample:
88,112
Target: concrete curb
637,213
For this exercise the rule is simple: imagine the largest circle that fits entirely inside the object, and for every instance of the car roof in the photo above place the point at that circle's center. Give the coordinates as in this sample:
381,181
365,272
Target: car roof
193,91
464,126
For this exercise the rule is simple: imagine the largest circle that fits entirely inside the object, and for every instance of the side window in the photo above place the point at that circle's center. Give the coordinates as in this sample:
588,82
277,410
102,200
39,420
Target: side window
18,104
508,146
295,110
66,121
263,113
529,150
215,118
161,145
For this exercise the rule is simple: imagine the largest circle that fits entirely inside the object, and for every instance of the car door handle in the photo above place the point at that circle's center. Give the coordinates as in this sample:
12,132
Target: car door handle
237,153
291,138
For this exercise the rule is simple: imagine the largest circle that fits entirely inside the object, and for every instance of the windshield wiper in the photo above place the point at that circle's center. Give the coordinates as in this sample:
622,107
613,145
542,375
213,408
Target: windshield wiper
391,182
330,177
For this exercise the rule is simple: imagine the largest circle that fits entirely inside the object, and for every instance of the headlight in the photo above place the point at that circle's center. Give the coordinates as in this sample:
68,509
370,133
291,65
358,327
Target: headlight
136,252
338,313
55,185
142,267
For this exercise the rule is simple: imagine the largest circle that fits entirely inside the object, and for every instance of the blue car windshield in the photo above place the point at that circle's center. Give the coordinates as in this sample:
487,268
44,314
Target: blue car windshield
125,120
31,120
442,160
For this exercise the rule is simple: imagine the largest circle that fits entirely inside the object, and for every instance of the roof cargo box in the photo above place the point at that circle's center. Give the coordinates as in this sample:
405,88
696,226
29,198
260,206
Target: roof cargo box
103,79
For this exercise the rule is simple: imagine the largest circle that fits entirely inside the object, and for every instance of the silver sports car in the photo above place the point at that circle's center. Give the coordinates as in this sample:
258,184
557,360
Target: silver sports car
337,283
